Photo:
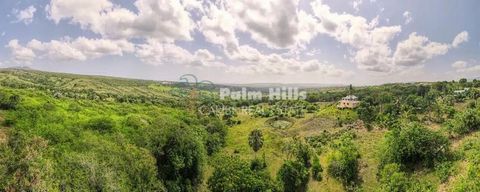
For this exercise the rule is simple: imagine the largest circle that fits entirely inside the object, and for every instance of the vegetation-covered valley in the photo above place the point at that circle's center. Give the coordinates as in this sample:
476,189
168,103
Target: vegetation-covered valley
65,132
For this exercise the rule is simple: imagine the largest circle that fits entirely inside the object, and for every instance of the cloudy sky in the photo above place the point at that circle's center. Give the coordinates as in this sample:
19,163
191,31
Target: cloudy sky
246,41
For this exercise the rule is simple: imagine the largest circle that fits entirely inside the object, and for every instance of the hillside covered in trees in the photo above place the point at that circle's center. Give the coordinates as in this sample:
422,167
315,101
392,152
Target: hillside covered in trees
65,132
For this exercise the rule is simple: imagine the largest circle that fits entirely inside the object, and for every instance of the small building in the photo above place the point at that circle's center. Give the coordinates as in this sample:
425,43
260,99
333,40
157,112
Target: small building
348,102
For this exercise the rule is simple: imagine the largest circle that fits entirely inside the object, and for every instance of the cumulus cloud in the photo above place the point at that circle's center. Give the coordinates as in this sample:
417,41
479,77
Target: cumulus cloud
163,20
271,22
218,26
459,64
460,38
156,53
19,53
417,49
408,17
65,50
257,63
370,42
277,24
26,15
473,69
463,67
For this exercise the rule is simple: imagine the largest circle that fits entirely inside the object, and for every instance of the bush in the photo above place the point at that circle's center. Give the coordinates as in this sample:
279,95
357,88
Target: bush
317,169
9,102
102,124
392,179
216,133
180,154
234,174
343,161
258,164
294,176
464,122
413,145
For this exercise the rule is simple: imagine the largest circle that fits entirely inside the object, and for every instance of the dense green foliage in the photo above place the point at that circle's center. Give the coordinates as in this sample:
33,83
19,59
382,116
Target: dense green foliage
343,161
414,145
294,176
235,175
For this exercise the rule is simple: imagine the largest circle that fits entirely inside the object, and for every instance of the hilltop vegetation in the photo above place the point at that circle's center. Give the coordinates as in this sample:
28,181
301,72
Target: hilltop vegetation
63,132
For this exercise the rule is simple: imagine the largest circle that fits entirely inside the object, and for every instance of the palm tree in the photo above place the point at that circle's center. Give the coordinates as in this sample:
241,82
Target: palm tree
255,140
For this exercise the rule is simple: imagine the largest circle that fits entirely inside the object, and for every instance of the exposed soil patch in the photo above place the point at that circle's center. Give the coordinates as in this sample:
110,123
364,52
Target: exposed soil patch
280,122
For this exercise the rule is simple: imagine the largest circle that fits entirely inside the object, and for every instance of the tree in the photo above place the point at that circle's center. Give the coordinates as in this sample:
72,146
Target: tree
366,112
216,133
301,151
180,157
294,176
413,145
255,140
233,174
343,161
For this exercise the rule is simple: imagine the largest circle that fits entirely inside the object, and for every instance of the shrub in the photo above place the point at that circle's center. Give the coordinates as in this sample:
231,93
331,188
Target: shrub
294,176
392,179
317,169
343,161
9,102
464,122
258,164
216,133
234,174
180,154
413,145
102,124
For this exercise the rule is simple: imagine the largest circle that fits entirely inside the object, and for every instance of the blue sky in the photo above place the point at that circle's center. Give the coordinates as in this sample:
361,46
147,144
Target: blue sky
273,41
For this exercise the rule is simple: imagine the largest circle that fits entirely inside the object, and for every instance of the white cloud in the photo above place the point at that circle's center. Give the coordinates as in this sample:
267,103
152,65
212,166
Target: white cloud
19,53
163,20
356,4
156,53
473,69
218,26
26,15
271,22
459,64
460,38
417,49
277,24
408,17
463,67
257,63
79,49
370,42
204,55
